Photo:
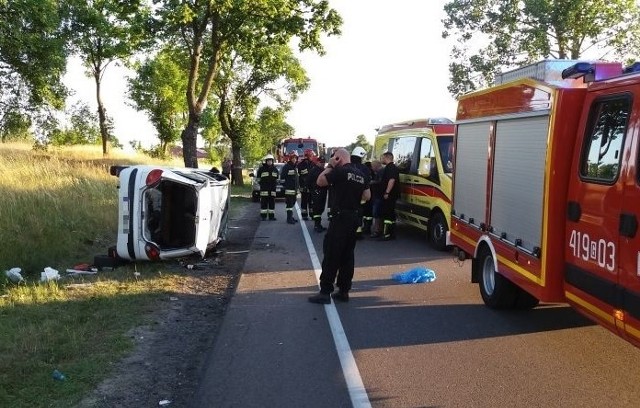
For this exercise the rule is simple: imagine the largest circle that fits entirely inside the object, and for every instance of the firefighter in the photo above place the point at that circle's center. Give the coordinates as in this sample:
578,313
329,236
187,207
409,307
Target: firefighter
289,175
390,193
357,155
318,194
305,189
349,188
268,180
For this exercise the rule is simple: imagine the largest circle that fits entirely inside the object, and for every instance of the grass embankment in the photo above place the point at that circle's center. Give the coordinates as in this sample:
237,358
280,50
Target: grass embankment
58,209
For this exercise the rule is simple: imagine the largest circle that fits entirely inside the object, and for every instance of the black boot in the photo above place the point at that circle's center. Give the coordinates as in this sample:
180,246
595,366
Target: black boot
389,232
366,226
290,219
318,226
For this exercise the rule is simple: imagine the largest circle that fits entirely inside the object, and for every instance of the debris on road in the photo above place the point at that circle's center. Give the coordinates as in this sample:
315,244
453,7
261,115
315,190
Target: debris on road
419,274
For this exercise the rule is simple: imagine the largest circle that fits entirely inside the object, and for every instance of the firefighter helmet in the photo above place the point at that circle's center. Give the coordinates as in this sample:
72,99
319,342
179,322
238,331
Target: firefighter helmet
268,157
308,153
293,154
359,152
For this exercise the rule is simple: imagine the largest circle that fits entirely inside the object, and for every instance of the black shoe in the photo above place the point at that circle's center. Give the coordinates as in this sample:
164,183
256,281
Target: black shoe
304,217
263,218
387,238
291,221
319,228
321,298
340,296
272,219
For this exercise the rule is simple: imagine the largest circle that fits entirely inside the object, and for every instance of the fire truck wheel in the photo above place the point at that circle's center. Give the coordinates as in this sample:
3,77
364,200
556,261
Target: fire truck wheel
438,231
497,291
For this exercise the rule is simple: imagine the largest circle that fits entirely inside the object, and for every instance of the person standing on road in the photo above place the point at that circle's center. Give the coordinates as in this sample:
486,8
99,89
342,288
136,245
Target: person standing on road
348,187
357,155
227,164
303,171
268,180
376,198
289,175
390,194
318,194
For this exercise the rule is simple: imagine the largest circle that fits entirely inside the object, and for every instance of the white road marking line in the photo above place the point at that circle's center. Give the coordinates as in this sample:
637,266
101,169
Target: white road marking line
355,386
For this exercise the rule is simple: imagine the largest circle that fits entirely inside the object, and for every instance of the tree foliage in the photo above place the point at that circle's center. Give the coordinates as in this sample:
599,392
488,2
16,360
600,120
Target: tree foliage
209,31
249,75
102,32
361,140
32,54
495,35
159,89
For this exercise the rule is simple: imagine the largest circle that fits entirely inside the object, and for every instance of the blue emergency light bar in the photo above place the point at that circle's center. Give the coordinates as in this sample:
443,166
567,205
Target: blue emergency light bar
578,70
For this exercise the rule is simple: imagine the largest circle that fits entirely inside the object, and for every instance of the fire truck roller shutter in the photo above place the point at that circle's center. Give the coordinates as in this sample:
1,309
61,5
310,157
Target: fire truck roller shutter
518,179
471,171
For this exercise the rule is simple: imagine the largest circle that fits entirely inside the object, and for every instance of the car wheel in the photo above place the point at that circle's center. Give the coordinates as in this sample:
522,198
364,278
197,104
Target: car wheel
497,291
438,231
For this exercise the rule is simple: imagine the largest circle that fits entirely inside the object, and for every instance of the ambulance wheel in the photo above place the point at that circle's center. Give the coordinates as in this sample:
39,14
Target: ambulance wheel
497,291
438,231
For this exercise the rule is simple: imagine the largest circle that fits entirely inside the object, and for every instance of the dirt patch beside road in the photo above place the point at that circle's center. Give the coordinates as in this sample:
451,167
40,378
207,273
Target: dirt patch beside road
167,360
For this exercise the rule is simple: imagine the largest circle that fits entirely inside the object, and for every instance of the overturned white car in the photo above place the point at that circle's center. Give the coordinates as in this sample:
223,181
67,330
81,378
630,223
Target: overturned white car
169,212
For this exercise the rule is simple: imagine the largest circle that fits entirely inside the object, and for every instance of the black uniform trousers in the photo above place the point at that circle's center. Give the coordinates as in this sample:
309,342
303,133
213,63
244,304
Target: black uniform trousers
318,202
267,204
338,247
305,201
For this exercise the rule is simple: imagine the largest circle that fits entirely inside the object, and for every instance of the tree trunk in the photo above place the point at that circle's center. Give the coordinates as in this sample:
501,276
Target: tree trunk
189,141
236,170
102,116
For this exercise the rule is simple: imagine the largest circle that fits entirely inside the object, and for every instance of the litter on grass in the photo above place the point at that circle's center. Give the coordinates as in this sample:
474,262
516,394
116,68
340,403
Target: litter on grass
419,274
14,275
49,274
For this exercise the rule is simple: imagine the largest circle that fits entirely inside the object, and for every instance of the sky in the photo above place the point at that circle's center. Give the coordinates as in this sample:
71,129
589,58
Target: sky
389,65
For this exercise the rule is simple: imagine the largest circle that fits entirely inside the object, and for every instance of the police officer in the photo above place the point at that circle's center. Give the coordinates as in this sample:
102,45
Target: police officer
268,180
318,194
289,175
348,187
357,155
303,171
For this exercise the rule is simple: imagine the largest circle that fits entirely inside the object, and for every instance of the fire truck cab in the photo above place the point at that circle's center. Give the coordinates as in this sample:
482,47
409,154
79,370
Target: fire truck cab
423,153
546,194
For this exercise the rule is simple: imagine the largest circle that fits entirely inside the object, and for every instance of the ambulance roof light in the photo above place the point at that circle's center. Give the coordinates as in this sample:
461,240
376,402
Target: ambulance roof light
578,70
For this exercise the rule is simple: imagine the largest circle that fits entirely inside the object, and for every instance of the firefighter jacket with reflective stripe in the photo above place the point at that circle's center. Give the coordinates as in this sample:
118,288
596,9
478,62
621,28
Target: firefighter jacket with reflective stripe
303,170
289,174
267,177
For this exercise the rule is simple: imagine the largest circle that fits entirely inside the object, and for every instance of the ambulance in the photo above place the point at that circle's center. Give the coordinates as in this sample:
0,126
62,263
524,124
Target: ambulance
546,190
423,153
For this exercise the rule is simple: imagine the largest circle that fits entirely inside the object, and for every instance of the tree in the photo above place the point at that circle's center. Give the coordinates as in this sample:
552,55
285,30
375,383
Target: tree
495,35
158,89
209,30
14,125
271,72
32,62
361,140
102,32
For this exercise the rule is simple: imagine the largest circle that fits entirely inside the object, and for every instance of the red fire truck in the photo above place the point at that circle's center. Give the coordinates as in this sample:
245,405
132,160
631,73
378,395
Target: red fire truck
546,190
298,144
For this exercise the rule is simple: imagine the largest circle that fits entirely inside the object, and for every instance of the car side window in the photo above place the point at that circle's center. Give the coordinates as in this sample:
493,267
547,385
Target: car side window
428,166
604,137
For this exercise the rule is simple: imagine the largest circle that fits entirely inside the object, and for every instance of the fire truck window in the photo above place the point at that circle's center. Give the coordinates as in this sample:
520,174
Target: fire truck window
403,153
601,153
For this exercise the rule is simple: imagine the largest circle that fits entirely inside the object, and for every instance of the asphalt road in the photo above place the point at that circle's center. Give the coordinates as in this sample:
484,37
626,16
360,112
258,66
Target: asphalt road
414,345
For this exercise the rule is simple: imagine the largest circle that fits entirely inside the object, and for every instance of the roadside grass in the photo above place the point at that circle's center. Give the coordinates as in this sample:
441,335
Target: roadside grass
58,208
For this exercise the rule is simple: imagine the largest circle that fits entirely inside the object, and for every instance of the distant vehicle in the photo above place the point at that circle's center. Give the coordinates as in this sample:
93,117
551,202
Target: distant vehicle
255,194
169,212
423,152
299,145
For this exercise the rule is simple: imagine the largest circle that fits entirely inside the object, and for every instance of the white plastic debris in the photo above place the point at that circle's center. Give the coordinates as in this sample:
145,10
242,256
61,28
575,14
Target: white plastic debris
164,402
14,275
49,274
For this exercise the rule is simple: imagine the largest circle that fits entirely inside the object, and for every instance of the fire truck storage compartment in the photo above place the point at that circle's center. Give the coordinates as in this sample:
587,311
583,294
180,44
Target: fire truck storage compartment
518,179
470,183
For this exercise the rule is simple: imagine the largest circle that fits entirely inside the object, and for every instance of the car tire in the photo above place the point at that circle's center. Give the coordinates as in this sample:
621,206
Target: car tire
438,231
497,291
